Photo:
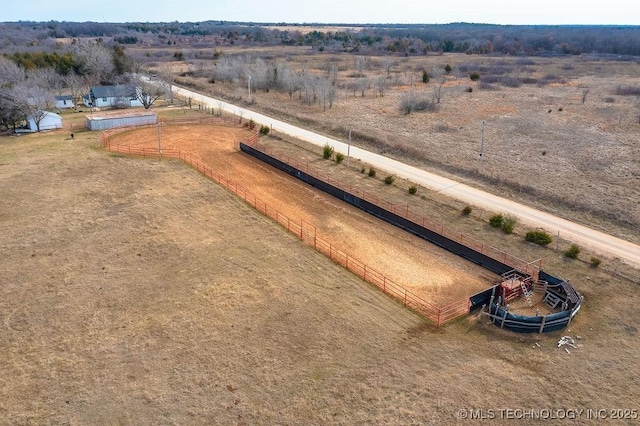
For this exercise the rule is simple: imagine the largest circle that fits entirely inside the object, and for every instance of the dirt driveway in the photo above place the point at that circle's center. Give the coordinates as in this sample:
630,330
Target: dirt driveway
431,273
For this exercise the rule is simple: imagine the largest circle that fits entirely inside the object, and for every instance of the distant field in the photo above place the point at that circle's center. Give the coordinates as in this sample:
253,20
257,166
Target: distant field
542,143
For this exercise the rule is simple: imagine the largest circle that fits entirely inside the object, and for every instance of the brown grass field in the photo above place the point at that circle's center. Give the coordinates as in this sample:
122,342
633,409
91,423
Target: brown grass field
136,291
543,144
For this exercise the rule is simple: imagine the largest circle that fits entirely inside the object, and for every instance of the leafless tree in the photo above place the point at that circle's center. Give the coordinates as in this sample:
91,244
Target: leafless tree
10,73
363,85
148,92
382,83
36,99
361,64
289,80
77,86
309,88
95,60
388,63
45,77
438,84
585,92
12,109
327,92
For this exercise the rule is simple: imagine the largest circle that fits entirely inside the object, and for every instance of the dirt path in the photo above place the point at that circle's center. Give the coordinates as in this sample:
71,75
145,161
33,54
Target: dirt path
583,235
431,273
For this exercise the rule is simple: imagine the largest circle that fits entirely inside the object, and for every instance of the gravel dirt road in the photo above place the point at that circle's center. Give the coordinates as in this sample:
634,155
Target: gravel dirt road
596,240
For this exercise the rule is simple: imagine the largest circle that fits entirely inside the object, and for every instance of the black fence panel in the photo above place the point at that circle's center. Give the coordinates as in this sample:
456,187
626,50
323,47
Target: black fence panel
455,247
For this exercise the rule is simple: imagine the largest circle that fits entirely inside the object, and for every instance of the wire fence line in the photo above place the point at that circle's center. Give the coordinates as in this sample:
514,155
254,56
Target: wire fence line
305,231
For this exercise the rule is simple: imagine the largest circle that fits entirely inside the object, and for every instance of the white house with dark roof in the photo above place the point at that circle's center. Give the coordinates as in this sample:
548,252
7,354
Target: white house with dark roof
64,102
120,96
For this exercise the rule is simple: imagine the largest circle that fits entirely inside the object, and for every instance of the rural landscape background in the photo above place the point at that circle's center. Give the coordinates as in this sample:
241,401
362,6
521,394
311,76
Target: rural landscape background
138,284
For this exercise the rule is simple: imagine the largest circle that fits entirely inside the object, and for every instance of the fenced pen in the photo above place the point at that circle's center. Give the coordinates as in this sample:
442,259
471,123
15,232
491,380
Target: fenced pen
305,231
491,258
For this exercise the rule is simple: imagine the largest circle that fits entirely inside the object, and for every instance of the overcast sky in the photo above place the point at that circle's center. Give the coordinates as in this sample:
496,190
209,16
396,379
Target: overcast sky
517,12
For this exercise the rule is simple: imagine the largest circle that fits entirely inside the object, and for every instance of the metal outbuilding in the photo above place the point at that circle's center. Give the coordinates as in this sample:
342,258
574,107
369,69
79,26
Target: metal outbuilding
113,119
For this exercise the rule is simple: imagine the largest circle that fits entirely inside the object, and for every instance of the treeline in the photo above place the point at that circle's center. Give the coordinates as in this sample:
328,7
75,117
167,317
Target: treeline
397,39
63,63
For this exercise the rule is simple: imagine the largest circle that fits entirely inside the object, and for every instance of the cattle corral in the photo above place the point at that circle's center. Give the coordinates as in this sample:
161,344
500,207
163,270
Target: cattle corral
431,273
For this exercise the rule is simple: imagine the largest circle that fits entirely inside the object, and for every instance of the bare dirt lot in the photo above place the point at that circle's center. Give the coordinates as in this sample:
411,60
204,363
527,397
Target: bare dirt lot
135,291
431,273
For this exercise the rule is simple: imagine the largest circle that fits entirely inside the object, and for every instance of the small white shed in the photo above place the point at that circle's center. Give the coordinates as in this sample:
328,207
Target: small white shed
112,119
48,121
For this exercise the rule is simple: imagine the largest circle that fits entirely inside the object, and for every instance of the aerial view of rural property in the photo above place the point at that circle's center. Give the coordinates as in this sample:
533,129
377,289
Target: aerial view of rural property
342,213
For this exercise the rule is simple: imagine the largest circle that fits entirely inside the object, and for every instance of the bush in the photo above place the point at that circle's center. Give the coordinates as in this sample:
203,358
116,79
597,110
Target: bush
413,189
466,211
595,262
339,157
496,220
363,169
425,77
573,251
264,130
538,237
448,68
327,151
252,124
509,224
389,179
474,76
372,172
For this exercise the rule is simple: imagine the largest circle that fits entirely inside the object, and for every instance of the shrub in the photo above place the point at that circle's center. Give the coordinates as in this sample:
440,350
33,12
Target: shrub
595,262
363,169
327,151
252,124
496,220
389,179
573,251
448,68
264,130
212,80
538,237
474,76
466,211
509,224
425,77
470,89
413,189
339,157
372,172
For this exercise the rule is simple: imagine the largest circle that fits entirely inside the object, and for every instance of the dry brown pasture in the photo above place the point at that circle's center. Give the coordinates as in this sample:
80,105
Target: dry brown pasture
136,291
542,144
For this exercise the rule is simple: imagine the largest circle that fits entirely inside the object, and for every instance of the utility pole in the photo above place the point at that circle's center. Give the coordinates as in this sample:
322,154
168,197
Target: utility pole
481,147
159,146
249,89
349,148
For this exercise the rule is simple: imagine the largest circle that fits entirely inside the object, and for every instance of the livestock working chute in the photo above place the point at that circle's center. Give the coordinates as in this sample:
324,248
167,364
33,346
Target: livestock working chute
521,305
557,297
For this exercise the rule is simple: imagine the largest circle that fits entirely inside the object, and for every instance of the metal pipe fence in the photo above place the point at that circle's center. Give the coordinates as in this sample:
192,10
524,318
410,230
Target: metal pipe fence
305,231
404,211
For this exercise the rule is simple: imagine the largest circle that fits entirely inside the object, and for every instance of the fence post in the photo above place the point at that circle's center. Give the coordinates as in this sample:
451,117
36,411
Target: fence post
504,317
544,320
